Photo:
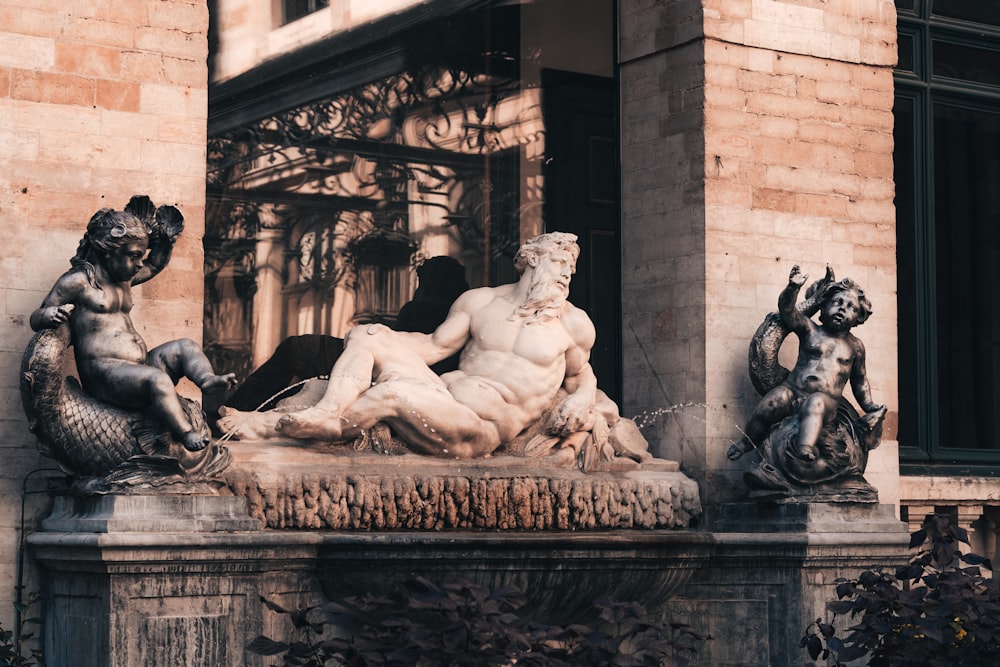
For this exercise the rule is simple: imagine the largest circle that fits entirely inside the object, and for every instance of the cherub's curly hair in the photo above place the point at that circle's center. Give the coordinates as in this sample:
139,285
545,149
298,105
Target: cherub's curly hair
848,285
546,243
107,231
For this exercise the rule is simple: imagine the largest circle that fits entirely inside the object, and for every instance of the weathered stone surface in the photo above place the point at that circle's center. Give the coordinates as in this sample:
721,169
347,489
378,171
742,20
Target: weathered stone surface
162,599
773,570
152,513
288,485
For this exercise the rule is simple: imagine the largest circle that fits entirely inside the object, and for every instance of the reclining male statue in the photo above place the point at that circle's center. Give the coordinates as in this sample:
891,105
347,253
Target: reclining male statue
524,377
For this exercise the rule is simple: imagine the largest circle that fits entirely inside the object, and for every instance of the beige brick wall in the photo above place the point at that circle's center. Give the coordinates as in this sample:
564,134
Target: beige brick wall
98,101
663,277
787,161
251,32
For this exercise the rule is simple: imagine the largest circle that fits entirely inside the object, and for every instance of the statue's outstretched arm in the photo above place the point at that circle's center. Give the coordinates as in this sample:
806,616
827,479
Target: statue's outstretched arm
790,315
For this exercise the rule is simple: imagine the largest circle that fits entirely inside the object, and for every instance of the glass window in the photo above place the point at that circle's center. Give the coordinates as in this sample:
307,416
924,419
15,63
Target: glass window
967,243
462,142
979,11
959,61
906,58
906,292
296,9
947,164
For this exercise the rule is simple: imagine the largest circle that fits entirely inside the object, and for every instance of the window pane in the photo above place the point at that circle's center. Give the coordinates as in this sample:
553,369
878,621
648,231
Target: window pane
296,9
967,220
980,11
957,61
319,213
904,4
905,43
906,270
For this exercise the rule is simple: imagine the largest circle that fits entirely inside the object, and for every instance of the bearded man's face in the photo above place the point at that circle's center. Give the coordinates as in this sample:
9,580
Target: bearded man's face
548,288
552,274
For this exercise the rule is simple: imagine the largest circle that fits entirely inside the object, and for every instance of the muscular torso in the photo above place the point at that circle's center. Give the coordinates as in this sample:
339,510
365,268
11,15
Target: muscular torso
824,363
510,372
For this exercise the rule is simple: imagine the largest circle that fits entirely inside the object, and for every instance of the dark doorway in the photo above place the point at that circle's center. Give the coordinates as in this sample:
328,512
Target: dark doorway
581,196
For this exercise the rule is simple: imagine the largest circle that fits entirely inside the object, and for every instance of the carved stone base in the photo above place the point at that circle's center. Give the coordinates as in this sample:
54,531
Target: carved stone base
155,598
773,571
288,485
150,513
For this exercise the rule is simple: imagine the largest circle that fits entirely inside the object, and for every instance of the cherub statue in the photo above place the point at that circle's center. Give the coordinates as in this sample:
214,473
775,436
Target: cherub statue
94,299
829,358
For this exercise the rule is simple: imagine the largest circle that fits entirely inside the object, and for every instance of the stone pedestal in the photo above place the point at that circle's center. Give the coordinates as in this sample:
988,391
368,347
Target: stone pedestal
145,514
163,580
176,580
773,571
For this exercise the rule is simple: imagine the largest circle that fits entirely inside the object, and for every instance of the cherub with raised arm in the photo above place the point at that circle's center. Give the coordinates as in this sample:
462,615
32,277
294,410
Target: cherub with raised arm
121,249
829,357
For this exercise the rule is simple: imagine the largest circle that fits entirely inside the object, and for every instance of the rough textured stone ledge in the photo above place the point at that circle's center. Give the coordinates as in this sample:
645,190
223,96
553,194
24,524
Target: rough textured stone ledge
290,486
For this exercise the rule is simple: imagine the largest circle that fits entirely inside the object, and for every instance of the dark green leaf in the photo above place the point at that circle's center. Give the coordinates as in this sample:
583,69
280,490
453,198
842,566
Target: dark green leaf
264,646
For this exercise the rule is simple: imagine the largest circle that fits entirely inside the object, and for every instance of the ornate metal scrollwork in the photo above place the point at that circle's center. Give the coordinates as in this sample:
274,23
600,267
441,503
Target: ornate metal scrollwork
357,166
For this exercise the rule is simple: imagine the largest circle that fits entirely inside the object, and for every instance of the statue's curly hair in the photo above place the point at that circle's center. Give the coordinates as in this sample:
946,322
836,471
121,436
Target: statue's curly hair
107,231
543,244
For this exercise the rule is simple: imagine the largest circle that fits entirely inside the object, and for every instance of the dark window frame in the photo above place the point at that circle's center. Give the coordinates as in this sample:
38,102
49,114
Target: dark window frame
919,87
291,12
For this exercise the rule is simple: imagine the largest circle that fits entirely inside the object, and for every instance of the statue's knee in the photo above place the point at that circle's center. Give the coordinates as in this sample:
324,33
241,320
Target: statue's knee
159,385
186,346
814,406
367,335
772,408
385,393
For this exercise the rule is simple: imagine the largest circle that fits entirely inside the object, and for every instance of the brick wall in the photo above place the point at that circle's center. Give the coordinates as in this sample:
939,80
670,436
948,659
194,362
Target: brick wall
99,100
251,32
787,160
663,218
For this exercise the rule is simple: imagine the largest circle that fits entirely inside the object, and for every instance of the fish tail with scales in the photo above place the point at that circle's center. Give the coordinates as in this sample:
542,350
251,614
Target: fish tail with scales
85,436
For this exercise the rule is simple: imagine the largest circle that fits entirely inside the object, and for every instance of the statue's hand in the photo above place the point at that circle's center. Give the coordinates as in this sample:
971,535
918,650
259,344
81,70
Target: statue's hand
53,316
796,277
872,419
573,415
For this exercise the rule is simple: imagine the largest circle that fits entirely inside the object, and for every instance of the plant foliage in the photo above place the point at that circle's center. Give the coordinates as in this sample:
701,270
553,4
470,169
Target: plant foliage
13,643
937,610
463,623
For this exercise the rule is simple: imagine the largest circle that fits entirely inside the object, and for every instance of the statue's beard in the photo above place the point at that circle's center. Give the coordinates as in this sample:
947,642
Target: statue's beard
546,301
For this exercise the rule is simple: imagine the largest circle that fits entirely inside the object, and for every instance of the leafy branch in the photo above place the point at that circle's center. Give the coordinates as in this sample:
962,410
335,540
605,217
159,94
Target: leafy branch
463,623
937,610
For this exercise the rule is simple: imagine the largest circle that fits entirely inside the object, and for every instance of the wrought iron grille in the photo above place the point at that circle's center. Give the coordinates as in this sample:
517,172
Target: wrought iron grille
339,180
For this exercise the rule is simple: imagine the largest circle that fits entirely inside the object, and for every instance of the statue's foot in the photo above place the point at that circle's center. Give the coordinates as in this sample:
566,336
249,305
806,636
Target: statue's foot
194,441
806,452
311,424
738,449
214,383
242,425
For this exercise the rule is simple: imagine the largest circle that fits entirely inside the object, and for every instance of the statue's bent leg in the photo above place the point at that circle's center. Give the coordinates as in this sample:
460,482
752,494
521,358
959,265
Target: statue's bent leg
772,408
140,386
425,416
371,353
185,358
817,411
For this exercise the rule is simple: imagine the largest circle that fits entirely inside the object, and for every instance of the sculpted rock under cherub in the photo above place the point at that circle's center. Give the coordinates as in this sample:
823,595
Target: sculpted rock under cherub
127,405
524,378
803,428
